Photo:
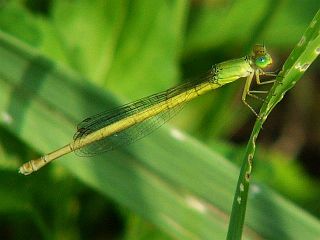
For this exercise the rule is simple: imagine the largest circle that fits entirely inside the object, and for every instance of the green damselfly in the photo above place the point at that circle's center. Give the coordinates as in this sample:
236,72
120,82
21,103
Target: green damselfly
126,124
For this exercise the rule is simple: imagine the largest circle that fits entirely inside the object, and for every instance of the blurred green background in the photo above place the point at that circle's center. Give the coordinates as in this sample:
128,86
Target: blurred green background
62,61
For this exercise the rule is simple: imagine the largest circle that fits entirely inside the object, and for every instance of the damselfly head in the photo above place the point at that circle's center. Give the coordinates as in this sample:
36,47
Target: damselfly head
260,56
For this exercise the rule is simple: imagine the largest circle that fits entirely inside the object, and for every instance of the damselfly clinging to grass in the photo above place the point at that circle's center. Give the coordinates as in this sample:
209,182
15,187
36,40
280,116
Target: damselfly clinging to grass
126,124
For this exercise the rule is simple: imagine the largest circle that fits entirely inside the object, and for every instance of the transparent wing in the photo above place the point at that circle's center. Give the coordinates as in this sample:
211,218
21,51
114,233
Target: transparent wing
137,131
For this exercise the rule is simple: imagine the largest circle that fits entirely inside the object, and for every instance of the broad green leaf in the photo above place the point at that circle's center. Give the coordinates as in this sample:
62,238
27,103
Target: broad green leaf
127,42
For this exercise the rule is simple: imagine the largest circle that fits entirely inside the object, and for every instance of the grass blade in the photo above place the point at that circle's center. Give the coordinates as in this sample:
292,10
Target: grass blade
306,51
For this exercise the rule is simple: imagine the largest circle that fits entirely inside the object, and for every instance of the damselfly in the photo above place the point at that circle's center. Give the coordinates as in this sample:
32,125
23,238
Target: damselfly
126,124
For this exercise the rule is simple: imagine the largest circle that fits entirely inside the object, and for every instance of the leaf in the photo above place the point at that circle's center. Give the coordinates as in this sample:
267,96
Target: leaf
120,37
306,51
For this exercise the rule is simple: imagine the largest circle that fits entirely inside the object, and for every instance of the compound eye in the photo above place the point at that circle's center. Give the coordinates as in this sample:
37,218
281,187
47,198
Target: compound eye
261,59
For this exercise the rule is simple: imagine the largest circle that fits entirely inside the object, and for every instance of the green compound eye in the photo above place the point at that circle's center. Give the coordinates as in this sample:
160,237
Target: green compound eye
263,61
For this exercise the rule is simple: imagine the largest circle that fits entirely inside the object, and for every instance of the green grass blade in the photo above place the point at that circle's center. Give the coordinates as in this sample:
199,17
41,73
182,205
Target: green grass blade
306,51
